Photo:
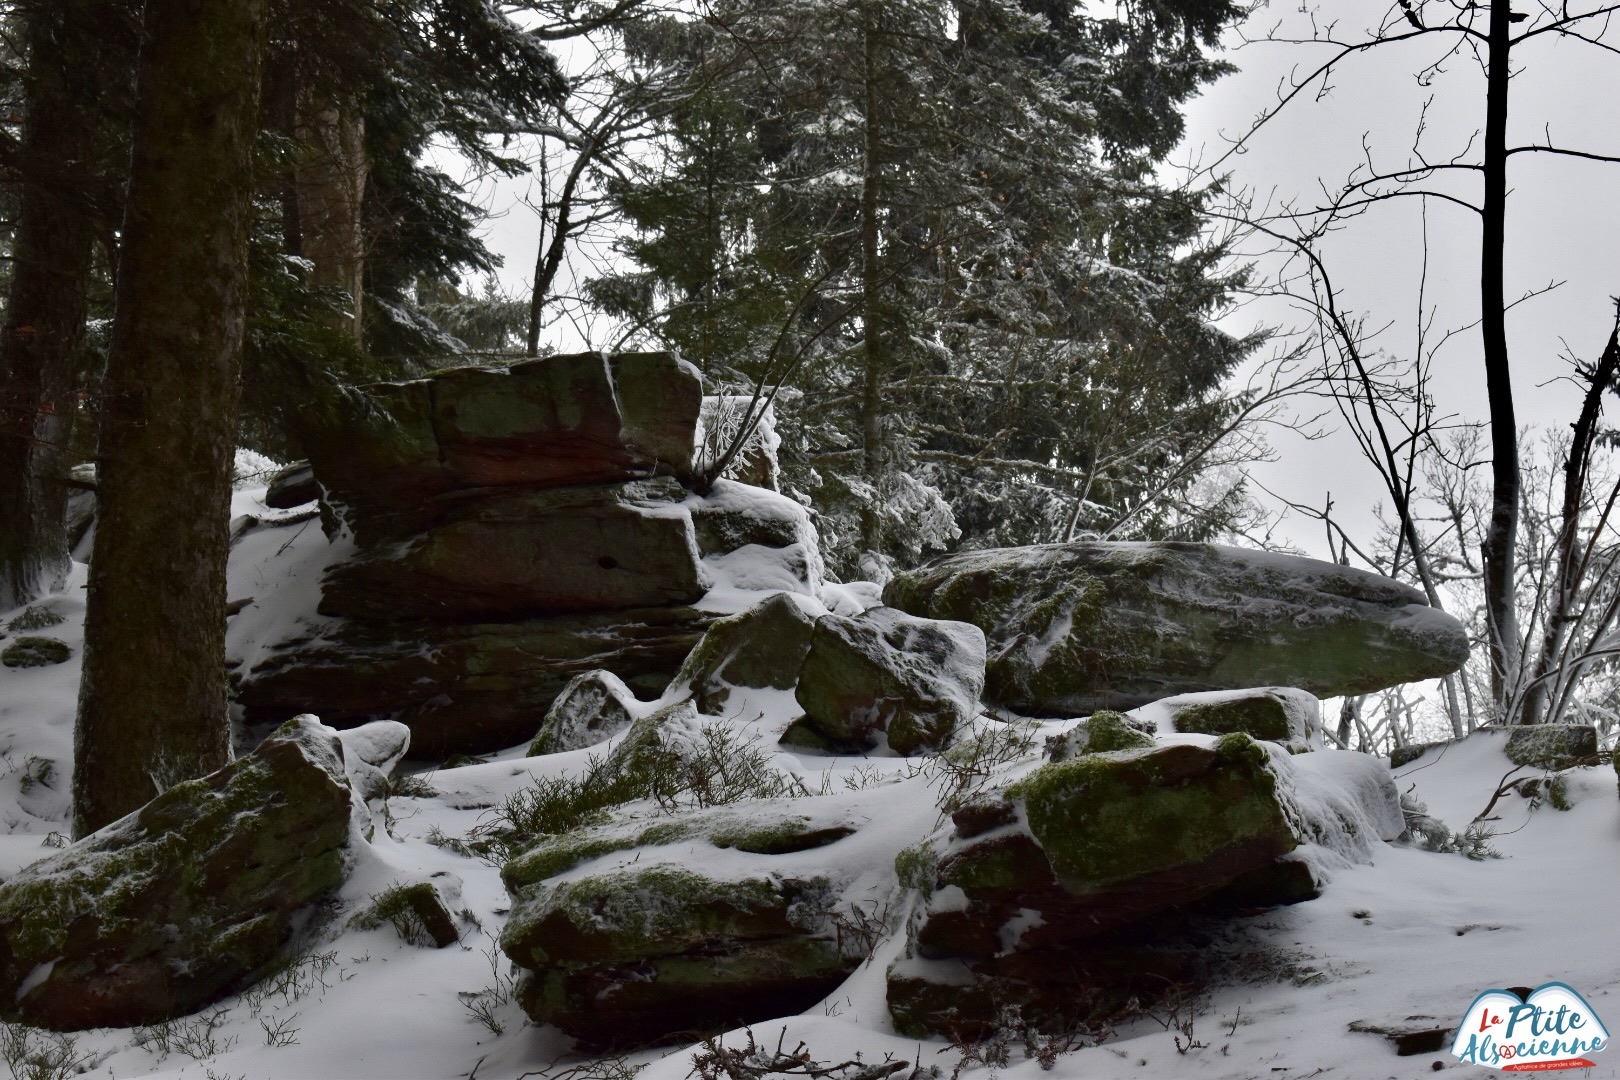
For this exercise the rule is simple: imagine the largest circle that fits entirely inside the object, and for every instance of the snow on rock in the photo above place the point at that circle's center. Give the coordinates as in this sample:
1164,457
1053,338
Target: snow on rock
370,754
886,678
592,708
653,926
1075,627
1280,714
760,648
187,899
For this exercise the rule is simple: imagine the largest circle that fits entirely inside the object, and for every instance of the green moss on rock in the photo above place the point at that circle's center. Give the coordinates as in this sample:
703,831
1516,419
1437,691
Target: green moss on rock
184,901
761,648
33,651
1105,819
1076,627
646,955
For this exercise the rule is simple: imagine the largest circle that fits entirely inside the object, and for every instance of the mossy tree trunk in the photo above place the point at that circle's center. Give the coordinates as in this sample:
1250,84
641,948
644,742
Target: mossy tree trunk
45,309
152,707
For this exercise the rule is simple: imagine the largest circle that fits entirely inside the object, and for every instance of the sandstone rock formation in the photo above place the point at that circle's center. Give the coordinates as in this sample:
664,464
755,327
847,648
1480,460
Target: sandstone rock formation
1077,627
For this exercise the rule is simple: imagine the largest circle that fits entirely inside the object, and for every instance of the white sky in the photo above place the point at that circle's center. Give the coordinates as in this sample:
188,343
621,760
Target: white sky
1564,221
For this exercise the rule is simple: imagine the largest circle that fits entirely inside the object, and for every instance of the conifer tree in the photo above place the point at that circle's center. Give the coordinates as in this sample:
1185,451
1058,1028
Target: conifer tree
152,707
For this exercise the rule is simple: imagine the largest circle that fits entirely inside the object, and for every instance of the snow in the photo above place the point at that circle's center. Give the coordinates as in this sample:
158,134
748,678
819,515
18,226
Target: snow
1398,930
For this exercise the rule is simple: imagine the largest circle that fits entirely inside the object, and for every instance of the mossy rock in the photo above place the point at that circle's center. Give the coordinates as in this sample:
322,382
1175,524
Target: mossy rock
1551,746
1290,718
1186,819
466,688
1102,732
186,900
558,421
765,828
885,677
655,954
761,648
592,708
35,651
417,912
1110,839
1077,627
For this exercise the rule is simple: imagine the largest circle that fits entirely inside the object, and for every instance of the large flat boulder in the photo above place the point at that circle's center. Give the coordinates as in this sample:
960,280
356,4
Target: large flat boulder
467,689
888,678
520,553
1076,627
646,955
558,421
184,901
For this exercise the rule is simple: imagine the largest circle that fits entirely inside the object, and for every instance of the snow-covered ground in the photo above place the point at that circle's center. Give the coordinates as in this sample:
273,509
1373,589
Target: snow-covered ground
1413,933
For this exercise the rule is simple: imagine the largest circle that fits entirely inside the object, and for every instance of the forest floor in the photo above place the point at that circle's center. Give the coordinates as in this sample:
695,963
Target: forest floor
1415,933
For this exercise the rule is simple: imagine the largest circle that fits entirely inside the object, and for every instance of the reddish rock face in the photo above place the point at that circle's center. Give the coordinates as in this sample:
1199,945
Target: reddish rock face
522,553
558,421
472,688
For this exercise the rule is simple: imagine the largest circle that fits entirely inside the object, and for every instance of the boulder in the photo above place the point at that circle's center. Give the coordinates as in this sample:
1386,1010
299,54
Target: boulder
592,708
1077,627
761,648
1100,733
293,486
734,515
1532,746
660,398
655,954
36,651
1115,837
1073,888
1551,746
468,689
524,553
186,900
1291,718
886,677
370,754
559,421
418,912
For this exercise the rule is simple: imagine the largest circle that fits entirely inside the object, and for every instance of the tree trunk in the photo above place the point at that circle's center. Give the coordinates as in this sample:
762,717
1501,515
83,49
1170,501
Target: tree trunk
1502,531
45,310
1571,566
330,183
152,705
871,300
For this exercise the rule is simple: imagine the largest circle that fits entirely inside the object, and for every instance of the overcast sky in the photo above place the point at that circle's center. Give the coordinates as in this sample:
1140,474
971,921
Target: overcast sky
1564,219
1564,222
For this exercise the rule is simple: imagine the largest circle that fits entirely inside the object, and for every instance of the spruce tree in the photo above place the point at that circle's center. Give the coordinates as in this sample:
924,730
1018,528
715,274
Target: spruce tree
152,706
999,324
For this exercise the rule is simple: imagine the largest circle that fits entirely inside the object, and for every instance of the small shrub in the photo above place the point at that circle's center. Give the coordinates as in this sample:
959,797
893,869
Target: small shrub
394,905
723,768
966,767
36,772
32,1054
488,1006
409,787
34,618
